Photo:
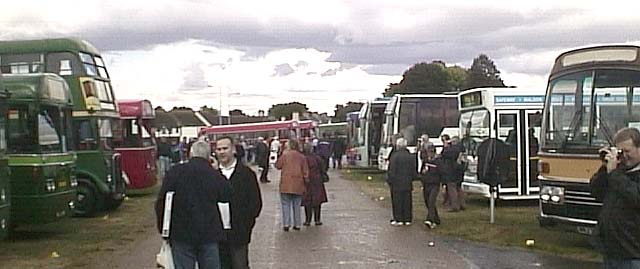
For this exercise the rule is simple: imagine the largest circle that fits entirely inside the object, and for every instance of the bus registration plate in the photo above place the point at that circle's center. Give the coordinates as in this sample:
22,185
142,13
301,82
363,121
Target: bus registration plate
585,230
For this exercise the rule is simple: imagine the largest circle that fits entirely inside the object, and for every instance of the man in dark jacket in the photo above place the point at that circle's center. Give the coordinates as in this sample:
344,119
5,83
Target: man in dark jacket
196,227
617,185
402,170
452,172
430,176
262,159
244,208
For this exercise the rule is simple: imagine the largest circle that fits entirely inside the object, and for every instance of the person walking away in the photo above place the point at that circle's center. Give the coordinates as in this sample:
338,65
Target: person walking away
402,170
315,194
338,149
617,185
243,209
164,156
182,147
196,227
295,172
262,159
323,149
430,177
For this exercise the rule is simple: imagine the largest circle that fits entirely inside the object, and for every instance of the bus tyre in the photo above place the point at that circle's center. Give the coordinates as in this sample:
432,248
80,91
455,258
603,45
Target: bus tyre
88,202
111,203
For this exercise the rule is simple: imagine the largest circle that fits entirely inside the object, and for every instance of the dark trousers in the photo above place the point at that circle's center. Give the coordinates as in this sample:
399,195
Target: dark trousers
430,192
310,211
455,196
185,256
265,171
337,159
234,256
402,205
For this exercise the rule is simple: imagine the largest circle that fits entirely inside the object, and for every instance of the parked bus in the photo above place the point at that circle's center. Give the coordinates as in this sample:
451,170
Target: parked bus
591,95
137,147
38,133
287,129
365,147
331,129
511,116
411,115
101,185
5,191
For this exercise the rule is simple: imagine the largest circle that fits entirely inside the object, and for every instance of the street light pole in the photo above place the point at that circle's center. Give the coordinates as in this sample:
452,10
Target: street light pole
220,107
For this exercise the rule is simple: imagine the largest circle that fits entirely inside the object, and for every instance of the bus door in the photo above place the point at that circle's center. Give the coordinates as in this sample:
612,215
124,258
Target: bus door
520,130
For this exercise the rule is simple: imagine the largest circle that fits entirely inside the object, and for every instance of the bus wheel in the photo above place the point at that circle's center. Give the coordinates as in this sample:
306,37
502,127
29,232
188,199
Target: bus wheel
88,201
111,203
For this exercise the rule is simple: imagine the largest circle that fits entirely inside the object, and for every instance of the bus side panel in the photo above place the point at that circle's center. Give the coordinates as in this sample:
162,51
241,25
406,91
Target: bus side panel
5,199
31,202
139,166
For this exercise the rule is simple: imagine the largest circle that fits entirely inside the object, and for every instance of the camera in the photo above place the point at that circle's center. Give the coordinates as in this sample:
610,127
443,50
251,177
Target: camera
614,150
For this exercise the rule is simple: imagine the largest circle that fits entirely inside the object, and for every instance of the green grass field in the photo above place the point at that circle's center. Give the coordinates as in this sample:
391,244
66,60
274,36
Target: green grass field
515,222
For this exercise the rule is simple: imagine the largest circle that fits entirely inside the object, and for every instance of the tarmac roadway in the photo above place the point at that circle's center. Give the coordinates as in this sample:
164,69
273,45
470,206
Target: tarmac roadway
356,234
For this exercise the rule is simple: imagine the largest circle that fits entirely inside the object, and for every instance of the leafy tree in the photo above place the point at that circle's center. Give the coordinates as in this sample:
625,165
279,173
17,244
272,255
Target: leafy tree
434,77
286,110
340,113
457,77
483,73
209,110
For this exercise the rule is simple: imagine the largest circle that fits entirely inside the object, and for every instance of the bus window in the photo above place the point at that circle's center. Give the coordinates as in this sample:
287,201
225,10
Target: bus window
86,137
612,94
3,142
63,63
89,65
21,131
21,63
49,125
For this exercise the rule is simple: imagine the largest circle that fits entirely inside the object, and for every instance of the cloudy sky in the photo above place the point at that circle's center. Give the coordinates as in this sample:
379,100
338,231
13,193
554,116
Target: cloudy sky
251,54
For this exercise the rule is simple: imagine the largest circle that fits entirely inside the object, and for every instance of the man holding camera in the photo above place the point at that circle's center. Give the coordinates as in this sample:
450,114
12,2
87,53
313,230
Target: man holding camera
617,185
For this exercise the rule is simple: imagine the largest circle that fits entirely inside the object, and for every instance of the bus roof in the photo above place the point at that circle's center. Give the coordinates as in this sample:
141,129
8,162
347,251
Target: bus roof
258,127
133,109
43,86
607,56
43,45
501,96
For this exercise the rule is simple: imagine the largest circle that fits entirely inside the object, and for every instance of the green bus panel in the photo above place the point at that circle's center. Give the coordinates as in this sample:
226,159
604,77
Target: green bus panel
33,198
5,197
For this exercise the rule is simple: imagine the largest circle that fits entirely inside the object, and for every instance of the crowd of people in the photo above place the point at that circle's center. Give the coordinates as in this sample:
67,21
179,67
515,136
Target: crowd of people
433,170
217,197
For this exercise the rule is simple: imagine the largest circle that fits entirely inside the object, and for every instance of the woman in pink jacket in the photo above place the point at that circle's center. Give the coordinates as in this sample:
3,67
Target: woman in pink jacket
295,172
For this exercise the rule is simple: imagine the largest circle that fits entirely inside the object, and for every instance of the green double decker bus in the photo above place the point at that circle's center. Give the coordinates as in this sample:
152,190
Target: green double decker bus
5,194
38,133
95,115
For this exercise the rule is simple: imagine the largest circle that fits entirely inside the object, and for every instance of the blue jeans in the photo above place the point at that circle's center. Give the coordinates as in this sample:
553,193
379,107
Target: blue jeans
613,263
185,256
291,202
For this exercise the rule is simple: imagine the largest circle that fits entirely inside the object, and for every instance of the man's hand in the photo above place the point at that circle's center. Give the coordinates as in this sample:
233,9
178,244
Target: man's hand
611,159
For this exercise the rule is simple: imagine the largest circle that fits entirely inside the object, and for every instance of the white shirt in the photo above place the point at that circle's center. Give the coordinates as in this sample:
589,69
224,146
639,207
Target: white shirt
225,211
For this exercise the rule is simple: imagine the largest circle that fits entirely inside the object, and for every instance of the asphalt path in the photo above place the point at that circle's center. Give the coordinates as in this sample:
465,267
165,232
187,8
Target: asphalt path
356,234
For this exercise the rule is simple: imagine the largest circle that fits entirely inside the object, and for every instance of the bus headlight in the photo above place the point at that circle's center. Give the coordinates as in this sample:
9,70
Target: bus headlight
74,182
552,194
50,185
109,178
3,196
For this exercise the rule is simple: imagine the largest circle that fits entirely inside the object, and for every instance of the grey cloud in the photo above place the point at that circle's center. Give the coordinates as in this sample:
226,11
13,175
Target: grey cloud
282,70
194,80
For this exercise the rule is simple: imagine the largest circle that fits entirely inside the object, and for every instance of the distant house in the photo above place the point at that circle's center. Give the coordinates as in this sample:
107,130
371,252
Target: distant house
165,124
179,122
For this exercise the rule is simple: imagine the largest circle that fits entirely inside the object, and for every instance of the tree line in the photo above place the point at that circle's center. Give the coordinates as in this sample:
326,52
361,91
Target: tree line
434,77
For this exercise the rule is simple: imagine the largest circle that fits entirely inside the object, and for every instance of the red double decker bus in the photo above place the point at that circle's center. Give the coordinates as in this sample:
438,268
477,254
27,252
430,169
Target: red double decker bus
137,146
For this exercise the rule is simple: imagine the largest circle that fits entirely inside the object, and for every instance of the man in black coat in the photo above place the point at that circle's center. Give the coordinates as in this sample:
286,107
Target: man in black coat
262,159
402,170
617,185
244,208
196,227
